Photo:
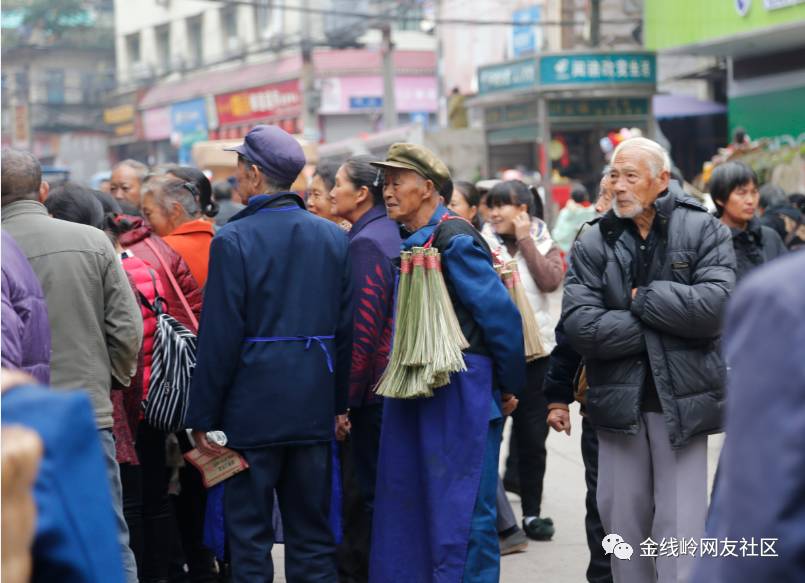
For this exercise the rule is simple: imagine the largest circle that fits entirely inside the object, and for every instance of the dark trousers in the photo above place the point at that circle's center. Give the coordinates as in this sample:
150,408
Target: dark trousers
132,481
160,534
529,432
359,471
598,571
301,475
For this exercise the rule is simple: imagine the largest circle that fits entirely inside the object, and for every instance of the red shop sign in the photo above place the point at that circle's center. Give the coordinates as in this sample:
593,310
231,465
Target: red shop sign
276,100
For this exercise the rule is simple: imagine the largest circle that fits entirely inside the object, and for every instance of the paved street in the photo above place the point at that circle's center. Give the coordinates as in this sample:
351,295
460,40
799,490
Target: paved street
564,559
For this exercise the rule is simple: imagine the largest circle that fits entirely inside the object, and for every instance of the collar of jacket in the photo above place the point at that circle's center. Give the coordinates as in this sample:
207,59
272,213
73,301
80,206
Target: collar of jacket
194,226
262,201
613,227
24,207
753,232
421,235
376,212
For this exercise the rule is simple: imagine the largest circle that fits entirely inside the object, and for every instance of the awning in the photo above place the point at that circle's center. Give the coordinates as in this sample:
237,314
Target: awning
673,106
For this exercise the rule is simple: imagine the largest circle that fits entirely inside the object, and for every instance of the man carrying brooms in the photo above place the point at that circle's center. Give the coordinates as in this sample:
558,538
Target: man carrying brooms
456,365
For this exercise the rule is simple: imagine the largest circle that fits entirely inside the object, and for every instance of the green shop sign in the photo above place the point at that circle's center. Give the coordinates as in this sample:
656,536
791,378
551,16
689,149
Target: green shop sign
507,76
589,69
582,108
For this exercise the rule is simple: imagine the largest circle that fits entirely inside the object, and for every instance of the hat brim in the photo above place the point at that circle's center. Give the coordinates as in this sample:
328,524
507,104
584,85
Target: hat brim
397,166
241,149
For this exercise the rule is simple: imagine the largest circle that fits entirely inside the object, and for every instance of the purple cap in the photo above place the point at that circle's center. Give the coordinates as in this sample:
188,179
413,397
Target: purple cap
274,150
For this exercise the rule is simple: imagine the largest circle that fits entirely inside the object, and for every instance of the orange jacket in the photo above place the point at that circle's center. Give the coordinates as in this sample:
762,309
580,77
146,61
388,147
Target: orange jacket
192,241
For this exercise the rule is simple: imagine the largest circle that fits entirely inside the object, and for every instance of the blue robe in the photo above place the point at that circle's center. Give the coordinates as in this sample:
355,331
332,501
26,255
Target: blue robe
76,536
438,456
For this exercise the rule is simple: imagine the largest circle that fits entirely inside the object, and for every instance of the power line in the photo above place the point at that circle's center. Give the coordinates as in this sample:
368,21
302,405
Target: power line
435,21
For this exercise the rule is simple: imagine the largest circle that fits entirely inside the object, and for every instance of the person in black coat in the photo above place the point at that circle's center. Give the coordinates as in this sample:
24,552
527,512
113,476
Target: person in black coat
273,366
733,187
643,305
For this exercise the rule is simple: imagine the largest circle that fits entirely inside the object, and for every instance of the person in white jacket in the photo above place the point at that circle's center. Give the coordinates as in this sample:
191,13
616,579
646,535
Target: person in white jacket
516,231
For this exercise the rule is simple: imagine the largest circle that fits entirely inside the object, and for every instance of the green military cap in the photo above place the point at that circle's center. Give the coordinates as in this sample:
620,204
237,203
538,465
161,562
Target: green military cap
419,159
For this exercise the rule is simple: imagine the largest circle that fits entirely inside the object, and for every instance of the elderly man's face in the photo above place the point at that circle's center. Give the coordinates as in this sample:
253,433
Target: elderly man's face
125,185
404,193
633,184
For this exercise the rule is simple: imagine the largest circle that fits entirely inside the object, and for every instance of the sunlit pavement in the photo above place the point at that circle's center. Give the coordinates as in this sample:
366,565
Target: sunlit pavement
564,559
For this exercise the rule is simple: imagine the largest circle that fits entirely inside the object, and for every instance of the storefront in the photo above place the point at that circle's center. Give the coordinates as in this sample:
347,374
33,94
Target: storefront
124,123
278,103
188,125
550,112
763,43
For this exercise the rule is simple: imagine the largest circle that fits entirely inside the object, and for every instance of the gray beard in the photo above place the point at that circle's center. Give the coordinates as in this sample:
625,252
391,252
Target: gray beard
637,210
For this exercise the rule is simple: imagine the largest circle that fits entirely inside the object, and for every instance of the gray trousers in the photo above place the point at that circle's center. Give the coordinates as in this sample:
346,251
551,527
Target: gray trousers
116,490
648,490
505,519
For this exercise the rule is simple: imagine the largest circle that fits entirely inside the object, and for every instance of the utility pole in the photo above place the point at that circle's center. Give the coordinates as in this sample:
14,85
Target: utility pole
389,100
595,23
310,98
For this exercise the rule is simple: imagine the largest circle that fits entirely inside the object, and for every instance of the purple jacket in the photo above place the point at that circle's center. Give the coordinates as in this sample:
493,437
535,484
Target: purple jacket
26,330
374,242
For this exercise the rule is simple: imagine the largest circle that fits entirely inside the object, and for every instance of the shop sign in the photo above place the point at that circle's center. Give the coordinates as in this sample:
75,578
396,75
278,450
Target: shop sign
579,108
156,124
121,119
276,100
189,121
526,38
365,102
589,69
510,113
507,76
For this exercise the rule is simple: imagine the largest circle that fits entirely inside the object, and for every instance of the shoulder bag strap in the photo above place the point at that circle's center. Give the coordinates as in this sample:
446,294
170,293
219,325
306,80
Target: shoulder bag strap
174,283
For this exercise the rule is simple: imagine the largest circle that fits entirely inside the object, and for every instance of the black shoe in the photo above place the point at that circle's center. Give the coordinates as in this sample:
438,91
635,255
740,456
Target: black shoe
539,529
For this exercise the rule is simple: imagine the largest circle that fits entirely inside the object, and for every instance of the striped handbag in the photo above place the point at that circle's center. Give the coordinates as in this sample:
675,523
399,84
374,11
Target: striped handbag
172,365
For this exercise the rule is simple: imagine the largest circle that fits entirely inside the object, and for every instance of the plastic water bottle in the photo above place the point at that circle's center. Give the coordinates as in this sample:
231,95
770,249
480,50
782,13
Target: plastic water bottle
217,437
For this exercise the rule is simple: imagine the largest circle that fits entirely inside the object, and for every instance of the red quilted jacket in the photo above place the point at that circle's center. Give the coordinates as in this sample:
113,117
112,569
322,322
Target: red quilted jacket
134,240
148,282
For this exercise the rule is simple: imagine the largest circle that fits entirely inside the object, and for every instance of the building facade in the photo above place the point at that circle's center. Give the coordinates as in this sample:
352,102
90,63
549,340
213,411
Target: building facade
191,71
54,79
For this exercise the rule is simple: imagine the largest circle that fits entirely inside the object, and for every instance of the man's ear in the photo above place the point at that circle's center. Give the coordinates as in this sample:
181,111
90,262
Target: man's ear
664,179
44,190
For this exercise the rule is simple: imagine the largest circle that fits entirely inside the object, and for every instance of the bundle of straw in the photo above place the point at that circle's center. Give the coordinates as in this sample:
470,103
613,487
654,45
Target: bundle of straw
534,348
428,340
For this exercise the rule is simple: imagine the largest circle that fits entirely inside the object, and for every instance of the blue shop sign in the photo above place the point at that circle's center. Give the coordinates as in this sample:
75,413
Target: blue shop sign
365,102
189,120
598,69
507,76
526,37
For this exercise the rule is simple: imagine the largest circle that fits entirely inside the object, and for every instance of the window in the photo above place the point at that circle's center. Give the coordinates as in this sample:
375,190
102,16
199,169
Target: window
195,50
163,38
90,88
229,28
262,19
133,48
54,85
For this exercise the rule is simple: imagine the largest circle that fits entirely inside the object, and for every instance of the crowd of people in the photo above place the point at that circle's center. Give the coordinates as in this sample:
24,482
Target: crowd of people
295,302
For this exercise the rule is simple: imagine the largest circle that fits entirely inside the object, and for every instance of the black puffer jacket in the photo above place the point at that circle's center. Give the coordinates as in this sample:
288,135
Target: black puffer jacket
754,246
675,320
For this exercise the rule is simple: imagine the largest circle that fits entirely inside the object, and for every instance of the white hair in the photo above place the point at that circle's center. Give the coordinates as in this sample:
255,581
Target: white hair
658,159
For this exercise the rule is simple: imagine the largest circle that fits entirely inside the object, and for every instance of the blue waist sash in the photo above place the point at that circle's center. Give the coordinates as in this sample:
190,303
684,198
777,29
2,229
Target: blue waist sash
307,339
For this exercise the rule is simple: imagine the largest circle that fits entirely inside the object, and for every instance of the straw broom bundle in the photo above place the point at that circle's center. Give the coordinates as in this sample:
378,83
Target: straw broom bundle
428,340
534,348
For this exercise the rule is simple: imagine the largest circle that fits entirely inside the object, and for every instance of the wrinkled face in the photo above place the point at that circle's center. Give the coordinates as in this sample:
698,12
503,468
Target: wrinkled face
460,206
249,181
633,184
343,196
502,217
742,203
318,200
125,185
404,193
156,216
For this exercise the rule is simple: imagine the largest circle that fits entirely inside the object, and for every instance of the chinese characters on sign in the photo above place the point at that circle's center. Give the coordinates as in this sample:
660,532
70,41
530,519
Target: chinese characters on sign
710,547
598,68
616,107
508,76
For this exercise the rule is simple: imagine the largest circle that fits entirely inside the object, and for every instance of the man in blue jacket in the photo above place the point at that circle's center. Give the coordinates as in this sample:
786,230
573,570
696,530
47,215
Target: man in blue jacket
273,366
437,475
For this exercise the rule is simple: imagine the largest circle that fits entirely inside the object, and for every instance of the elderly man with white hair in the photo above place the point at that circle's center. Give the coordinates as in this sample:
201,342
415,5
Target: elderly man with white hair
643,305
